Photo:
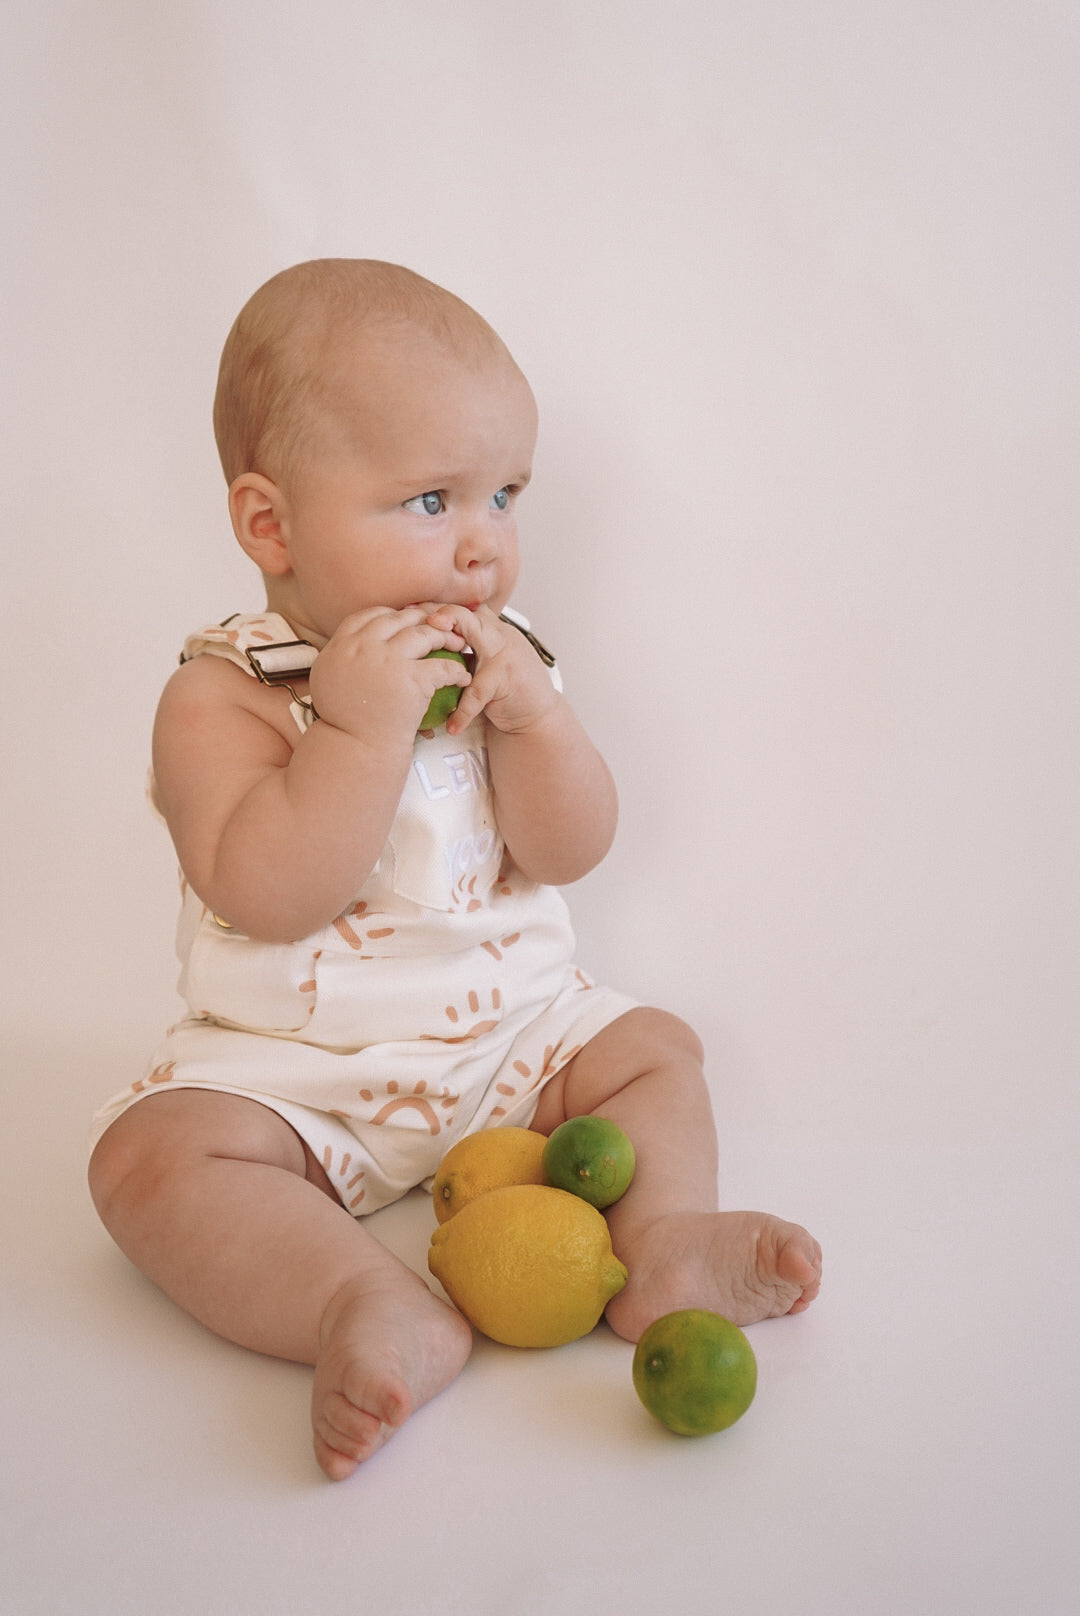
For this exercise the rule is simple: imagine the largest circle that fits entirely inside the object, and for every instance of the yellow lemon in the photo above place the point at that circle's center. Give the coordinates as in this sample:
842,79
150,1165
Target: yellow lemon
486,1161
590,1157
528,1265
695,1371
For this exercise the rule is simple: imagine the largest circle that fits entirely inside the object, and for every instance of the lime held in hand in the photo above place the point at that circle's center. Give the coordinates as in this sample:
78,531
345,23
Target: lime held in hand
695,1371
590,1157
444,701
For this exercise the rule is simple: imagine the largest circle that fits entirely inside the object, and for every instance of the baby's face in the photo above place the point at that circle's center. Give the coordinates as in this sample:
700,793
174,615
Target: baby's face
409,492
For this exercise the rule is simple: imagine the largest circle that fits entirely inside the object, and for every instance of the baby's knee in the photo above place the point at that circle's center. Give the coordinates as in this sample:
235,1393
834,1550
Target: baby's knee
112,1162
133,1157
661,1036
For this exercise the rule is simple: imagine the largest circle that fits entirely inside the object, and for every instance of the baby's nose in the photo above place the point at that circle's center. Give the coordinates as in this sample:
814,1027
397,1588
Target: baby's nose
477,544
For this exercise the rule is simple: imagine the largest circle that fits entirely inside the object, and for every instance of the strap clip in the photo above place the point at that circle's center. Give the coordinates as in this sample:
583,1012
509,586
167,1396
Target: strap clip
522,627
275,665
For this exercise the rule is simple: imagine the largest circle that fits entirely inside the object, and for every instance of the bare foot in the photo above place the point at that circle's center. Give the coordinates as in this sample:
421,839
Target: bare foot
387,1346
744,1265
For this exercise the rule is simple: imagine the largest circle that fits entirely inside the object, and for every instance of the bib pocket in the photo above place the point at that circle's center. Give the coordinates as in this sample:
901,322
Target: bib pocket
358,1002
268,987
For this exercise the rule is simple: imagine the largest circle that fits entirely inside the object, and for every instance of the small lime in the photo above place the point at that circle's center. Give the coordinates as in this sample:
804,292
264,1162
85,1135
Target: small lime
695,1371
444,701
590,1157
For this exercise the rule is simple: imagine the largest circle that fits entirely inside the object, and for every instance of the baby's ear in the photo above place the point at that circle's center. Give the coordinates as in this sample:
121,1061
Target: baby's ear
257,508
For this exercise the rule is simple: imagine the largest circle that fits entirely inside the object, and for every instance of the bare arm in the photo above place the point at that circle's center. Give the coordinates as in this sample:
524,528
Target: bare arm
555,800
277,832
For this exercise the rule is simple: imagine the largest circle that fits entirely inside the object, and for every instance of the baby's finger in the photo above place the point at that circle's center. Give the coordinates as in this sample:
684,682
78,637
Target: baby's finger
412,634
481,628
444,683
440,671
471,705
420,640
447,615
383,624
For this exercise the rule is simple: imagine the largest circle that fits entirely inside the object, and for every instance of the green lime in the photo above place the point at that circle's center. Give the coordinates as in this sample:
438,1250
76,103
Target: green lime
444,701
590,1157
695,1371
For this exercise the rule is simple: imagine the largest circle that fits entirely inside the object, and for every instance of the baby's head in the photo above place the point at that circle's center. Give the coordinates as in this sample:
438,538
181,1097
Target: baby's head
280,380
375,433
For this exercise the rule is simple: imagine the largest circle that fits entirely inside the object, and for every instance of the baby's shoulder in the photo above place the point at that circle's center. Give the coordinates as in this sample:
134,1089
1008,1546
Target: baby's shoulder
210,697
207,681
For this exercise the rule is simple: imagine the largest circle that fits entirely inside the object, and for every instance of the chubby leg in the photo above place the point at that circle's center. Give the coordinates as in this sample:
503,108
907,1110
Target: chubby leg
219,1202
644,1072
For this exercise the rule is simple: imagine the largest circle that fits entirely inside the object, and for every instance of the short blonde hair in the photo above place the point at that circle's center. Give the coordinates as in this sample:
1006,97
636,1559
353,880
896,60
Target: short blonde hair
276,367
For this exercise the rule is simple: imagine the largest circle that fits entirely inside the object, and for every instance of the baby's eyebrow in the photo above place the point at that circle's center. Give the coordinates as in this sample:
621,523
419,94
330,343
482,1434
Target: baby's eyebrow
431,482
413,485
425,481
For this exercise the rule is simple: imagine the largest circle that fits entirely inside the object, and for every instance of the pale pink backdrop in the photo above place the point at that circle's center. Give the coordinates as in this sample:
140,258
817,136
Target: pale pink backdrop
796,288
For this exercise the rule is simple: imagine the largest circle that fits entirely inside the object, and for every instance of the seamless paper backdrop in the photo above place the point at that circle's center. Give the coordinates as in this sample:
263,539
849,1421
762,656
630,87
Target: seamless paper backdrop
793,288
796,289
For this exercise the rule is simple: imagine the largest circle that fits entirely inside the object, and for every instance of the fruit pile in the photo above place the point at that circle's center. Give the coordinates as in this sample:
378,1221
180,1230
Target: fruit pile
523,1251
522,1248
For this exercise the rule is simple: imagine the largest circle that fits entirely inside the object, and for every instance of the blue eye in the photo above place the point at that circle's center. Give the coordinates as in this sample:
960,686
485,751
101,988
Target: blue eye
501,500
430,503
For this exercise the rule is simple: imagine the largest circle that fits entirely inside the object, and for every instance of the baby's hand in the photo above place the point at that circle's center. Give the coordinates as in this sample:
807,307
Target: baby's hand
510,684
371,678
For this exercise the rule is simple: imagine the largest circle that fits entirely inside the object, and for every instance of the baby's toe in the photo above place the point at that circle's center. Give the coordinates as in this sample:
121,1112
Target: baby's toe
345,1435
798,1265
335,1465
383,1396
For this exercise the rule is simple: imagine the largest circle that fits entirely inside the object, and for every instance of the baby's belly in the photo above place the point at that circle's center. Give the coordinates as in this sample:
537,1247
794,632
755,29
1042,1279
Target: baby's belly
374,977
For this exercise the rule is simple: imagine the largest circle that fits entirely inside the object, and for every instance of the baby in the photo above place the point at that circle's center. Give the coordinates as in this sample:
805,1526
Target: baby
375,957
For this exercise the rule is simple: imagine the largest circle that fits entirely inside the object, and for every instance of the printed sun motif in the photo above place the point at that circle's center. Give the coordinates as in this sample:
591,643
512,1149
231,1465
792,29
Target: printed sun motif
478,1028
418,1100
465,895
555,1057
349,934
349,1184
224,635
160,1074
